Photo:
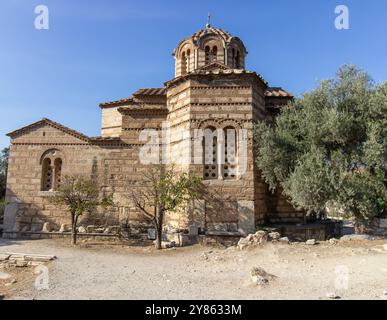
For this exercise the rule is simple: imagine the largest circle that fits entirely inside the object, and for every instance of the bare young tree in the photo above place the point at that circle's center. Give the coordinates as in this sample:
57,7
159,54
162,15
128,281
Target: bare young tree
163,190
80,195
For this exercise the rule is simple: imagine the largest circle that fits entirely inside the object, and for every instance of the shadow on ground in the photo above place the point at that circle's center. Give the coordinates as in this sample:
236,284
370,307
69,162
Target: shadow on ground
8,242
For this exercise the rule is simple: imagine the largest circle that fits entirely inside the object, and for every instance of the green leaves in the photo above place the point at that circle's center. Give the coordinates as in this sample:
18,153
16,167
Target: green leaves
3,171
164,189
80,195
312,183
363,194
328,147
174,189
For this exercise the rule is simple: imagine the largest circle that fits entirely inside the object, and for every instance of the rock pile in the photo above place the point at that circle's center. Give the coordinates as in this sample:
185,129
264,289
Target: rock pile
311,242
333,241
17,260
357,237
257,239
99,229
284,240
166,244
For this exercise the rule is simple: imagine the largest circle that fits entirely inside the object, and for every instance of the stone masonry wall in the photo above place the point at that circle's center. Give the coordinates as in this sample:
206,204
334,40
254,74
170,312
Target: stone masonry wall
218,102
115,168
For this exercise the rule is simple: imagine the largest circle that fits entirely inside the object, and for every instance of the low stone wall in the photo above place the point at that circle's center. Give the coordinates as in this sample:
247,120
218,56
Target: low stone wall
319,231
222,240
57,235
378,227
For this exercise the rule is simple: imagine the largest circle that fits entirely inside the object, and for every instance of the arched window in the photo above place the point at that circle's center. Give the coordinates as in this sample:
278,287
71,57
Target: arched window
51,163
229,169
211,54
214,53
47,175
58,173
233,57
188,62
220,153
237,60
207,51
183,64
210,153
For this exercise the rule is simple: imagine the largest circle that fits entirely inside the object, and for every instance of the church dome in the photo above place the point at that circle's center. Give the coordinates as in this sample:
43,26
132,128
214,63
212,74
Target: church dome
208,46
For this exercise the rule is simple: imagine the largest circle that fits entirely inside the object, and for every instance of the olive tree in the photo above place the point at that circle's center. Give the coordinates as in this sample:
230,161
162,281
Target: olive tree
3,171
163,190
327,148
80,195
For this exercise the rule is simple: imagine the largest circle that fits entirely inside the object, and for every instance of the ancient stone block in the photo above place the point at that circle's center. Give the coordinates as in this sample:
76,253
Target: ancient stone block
246,217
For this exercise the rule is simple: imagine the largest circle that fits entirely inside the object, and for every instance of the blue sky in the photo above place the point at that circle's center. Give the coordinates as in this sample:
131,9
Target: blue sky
98,51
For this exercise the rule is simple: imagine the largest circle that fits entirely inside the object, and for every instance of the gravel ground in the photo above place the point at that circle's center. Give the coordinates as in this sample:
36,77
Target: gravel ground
101,271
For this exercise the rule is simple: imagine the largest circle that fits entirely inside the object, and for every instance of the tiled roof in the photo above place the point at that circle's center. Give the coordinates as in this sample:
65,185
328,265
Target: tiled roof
105,139
150,92
216,71
214,65
226,36
274,92
116,102
144,108
277,92
154,92
51,123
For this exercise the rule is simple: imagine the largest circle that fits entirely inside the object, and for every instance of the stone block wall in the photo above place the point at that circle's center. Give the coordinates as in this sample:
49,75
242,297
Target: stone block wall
218,102
111,122
115,168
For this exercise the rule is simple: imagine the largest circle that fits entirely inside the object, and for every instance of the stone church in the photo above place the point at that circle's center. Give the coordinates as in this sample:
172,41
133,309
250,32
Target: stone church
211,90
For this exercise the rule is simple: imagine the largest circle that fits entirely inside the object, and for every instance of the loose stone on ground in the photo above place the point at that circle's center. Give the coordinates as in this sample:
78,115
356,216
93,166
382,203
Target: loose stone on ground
260,277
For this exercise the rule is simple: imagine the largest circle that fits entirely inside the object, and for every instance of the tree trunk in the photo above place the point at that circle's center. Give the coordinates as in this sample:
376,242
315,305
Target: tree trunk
360,224
159,237
74,230
159,229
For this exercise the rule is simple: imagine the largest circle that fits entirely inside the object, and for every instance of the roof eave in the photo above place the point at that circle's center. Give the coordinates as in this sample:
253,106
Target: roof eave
49,122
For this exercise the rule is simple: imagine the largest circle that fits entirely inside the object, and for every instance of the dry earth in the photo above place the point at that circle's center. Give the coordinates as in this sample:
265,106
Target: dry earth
115,271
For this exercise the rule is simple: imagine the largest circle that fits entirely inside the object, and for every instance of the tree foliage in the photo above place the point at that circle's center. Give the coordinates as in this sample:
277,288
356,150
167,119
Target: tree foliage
328,147
79,195
163,190
3,171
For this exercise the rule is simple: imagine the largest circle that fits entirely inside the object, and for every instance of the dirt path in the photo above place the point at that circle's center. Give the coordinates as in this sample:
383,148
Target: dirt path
118,272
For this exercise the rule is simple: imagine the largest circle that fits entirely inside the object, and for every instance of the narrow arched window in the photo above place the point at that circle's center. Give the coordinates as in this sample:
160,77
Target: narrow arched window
188,62
210,154
47,175
183,64
233,57
229,170
237,60
58,173
207,51
214,53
